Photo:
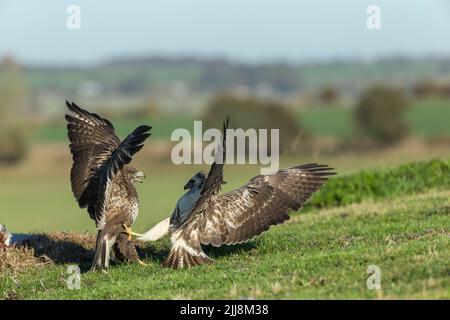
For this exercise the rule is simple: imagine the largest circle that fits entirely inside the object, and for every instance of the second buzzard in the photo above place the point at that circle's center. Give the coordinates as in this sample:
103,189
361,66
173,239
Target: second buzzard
205,216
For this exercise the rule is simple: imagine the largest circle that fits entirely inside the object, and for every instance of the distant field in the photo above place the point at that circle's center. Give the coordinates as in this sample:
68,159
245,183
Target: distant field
430,118
427,118
132,76
162,128
43,201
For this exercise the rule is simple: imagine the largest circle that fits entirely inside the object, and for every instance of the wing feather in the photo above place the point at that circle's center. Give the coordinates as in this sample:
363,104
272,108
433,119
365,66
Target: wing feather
213,182
264,201
97,155
244,213
92,140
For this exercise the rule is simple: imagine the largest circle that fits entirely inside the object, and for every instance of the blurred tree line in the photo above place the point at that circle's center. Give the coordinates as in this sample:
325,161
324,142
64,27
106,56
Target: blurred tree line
13,98
429,88
251,112
379,114
378,117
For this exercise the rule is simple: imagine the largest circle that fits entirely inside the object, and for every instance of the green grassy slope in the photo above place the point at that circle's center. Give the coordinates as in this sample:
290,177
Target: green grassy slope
404,179
322,254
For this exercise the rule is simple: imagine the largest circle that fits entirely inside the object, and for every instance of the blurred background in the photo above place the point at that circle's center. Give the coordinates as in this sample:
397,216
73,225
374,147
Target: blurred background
339,92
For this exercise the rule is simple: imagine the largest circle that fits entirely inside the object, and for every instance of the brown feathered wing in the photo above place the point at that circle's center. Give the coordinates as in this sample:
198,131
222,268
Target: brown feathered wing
244,213
97,155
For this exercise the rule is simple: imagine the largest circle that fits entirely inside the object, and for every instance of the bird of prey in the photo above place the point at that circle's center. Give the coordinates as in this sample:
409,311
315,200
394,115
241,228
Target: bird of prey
205,216
101,179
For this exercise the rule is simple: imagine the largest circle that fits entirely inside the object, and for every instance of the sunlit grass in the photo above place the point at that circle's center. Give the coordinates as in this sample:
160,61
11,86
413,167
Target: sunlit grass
319,254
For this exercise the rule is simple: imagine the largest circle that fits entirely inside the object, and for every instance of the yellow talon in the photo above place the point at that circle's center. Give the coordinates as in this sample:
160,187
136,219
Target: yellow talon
142,263
130,232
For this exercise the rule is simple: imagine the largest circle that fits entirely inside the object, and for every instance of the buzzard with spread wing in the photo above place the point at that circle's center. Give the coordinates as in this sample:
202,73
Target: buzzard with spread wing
100,177
204,216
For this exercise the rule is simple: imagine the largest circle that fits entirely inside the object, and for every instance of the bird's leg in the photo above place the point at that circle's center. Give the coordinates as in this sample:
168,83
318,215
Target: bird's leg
130,232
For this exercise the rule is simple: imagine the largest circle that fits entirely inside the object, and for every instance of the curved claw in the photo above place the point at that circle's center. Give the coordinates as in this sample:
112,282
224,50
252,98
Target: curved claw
130,232
142,263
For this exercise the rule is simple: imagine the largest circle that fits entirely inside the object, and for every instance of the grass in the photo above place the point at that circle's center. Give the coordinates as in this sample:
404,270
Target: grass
330,122
426,118
430,118
320,253
384,183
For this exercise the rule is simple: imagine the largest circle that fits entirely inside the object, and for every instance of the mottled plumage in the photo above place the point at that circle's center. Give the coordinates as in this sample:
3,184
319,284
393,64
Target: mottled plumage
236,216
101,180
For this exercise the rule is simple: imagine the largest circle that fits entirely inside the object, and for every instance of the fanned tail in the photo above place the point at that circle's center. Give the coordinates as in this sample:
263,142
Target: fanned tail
186,255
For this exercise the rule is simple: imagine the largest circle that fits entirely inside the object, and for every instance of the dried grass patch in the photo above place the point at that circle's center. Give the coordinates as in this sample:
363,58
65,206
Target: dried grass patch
45,249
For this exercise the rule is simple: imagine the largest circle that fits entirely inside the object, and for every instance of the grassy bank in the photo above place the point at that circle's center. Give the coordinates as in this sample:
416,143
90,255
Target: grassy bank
397,219
322,254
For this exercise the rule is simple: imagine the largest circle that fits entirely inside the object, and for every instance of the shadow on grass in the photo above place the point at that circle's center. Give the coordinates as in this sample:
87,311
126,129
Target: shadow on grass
159,252
63,248
78,249
227,250
71,248
152,252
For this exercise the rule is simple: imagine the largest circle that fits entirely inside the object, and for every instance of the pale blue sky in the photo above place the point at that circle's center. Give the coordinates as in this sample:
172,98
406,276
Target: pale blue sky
249,30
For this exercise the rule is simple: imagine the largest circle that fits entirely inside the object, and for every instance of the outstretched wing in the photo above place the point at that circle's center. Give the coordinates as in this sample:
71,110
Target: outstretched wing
97,154
92,141
123,154
264,201
242,214
213,182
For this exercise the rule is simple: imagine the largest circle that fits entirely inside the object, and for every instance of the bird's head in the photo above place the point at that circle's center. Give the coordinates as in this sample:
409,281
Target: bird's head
135,176
196,182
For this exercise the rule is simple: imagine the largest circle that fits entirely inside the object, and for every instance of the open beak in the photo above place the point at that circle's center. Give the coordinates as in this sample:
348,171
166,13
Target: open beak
139,177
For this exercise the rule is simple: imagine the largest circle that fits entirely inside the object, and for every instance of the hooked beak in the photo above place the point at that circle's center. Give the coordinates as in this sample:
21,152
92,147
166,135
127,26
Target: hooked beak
139,177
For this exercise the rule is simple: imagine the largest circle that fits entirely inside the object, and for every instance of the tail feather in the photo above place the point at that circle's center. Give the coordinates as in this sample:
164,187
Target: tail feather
183,255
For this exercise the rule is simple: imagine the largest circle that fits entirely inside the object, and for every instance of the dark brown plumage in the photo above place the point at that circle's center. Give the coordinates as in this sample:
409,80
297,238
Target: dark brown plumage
101,180
125,250
244,213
